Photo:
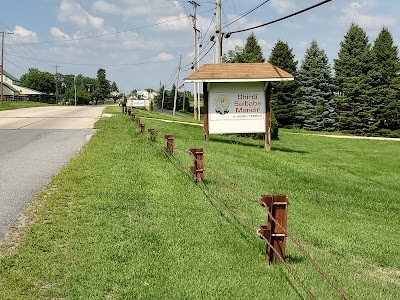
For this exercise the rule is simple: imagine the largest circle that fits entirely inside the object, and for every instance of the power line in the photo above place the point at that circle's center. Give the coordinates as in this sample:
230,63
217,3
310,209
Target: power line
109,34
95,65
280,19
245,14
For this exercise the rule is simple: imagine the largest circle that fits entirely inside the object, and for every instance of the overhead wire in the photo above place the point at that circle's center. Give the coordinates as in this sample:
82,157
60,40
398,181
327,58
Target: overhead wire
94,65
280,19
245,14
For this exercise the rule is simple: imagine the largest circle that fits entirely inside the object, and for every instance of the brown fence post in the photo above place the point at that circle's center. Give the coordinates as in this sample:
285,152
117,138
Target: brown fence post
152,134
198,168
274,232
170,143
138,122
142,128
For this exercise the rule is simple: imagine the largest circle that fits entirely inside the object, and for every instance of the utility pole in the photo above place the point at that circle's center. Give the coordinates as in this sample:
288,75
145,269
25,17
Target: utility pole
184,97
162,101
176,85
195,60
2,63
56,66
218,34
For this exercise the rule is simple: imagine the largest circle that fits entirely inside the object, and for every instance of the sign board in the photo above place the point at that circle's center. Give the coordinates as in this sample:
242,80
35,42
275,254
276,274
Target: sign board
138,103
236,108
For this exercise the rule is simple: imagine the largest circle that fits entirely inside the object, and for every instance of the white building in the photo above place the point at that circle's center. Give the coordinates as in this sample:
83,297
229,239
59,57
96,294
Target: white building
12,87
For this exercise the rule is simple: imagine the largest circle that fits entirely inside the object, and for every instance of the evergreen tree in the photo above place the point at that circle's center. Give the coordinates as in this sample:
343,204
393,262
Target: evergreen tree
351,79
251,53
316,108
103,85
114,87
385,97
284,93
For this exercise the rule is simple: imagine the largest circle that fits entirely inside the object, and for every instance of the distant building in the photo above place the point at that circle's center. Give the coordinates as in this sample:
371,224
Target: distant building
12,87
145,95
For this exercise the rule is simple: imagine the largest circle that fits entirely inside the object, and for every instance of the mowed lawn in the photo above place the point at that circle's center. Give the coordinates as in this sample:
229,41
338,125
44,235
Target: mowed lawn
123,221
17,105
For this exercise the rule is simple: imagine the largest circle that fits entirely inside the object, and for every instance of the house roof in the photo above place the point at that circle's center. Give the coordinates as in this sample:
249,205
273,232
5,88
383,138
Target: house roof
239,72
10,87
31,90
10,76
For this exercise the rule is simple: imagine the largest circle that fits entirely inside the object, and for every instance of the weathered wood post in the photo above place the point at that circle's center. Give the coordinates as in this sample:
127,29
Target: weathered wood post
198,168
170,143
274,233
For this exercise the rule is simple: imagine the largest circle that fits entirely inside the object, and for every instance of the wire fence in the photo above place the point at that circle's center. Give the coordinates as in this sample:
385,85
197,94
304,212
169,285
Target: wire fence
216,199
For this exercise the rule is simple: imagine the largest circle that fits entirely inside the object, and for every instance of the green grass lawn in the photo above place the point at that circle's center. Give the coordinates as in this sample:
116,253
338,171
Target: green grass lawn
123,222
16,105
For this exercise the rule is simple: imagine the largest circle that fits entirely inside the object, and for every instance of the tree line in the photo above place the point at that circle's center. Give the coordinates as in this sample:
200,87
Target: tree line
361,97
88,90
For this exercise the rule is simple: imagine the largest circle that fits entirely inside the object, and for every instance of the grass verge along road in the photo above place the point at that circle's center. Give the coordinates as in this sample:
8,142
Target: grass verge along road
122,222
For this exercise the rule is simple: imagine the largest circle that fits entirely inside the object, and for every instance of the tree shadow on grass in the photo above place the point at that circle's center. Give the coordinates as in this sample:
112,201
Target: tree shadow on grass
287,150
232,142
255,145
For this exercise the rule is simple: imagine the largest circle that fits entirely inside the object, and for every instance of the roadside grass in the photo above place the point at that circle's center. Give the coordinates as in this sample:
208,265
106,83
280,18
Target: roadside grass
183,117
16,105
123,222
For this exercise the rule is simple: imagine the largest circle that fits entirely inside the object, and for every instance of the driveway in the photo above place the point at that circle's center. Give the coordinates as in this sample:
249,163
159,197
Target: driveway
35,143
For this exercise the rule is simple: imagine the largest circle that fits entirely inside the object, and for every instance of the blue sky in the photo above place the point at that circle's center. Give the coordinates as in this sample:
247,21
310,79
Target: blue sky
122,37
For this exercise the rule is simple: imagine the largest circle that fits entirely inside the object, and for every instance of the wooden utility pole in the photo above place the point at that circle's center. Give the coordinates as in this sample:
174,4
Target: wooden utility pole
218,34
162,101
195,59
176,85
56,66
2,63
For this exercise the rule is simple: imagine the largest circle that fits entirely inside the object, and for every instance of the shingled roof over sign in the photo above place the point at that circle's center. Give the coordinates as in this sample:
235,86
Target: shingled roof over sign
235,72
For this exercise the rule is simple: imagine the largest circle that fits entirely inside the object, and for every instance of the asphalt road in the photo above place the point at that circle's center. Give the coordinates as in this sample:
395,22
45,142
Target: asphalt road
35,144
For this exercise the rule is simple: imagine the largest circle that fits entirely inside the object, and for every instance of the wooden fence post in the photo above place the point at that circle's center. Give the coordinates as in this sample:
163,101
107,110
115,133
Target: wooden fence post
198,168
170,143
274,233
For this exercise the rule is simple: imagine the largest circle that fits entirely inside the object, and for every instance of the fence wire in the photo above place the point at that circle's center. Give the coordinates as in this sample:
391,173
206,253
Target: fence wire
230,211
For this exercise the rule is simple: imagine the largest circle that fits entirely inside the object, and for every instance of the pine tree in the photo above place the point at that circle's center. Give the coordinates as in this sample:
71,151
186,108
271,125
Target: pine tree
317,107
386,110
284,93
251,53
351,79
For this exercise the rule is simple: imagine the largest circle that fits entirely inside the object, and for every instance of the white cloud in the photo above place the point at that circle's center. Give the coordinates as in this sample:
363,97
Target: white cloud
58,34
25,35
102,6
163,56
174,23
283,6
73,12
353,14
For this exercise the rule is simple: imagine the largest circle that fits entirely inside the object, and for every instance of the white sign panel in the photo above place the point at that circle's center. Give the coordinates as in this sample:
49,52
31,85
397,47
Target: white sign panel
236,108
138,103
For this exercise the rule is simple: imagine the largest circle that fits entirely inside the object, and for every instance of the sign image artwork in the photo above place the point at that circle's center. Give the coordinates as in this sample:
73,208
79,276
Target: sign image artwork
237,106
